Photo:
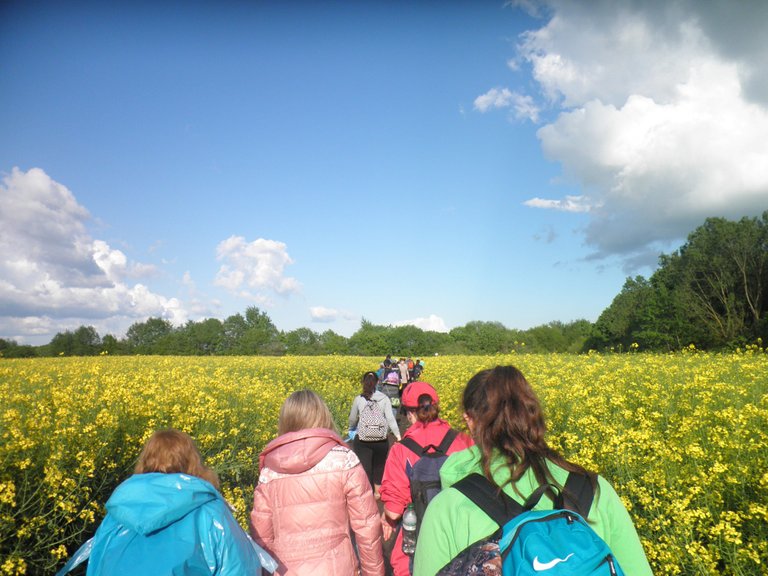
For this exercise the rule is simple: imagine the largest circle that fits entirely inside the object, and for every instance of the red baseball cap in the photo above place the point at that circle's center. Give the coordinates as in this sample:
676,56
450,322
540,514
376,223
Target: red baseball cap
412,392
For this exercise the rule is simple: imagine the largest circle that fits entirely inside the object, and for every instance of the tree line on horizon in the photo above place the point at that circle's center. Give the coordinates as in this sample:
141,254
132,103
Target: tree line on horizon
709,293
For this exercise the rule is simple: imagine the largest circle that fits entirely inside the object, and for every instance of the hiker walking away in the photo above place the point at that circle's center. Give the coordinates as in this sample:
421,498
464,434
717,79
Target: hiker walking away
312,494
169,518
371,416
427,430
507,423
418,368
381,373
391,388
402,367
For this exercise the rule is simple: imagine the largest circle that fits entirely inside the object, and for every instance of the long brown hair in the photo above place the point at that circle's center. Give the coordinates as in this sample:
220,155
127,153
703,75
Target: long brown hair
172,451
507,417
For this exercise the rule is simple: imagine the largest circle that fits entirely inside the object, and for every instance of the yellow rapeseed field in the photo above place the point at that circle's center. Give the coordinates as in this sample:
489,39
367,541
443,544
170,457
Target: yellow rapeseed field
683,438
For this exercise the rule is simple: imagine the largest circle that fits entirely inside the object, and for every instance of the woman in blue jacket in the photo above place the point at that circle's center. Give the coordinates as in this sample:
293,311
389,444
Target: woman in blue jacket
169,518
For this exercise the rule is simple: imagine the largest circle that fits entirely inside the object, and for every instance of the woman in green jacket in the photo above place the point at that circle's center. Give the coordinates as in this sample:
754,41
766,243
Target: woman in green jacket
507,424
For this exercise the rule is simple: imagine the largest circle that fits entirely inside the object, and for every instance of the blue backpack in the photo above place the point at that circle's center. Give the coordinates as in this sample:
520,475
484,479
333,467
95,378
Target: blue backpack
534,542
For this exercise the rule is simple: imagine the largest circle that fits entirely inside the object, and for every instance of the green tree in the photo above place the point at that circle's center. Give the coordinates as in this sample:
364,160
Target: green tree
406,341
557,336
261,336
6,344
724,270
710,292
575,334
147,337
110,344
234,328
12,349
301,342
369,340
332,343
62,344
669,324
478,337
202,338
617,325
86,341
434,342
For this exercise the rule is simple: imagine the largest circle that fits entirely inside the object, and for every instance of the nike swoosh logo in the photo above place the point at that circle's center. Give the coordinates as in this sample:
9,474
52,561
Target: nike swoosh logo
541,566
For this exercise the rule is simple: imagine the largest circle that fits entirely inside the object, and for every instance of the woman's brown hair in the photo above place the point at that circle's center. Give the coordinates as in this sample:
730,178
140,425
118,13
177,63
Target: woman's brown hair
426,411
172,451
507,417
369,384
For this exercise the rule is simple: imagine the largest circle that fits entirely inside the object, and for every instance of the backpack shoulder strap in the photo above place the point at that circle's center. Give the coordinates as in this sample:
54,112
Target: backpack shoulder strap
579,493
412,445
447,440
495,503
533,499
576,495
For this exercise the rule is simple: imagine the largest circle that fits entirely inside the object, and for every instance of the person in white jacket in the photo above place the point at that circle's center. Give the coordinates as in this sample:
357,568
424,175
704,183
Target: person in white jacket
371,446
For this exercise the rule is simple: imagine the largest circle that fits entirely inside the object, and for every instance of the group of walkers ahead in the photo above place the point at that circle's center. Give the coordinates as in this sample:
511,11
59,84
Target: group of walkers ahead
315,508
405,369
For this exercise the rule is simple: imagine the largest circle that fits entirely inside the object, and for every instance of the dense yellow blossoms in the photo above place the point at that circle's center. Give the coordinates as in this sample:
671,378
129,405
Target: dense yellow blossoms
683,438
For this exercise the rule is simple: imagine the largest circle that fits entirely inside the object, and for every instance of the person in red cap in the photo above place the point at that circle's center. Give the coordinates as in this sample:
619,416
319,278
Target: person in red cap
421,403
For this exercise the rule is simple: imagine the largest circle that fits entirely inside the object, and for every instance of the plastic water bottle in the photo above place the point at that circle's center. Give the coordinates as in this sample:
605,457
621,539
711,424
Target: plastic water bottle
409,530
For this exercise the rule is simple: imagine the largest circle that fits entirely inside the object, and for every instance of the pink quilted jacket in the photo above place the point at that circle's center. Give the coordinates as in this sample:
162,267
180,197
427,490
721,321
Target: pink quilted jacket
311,490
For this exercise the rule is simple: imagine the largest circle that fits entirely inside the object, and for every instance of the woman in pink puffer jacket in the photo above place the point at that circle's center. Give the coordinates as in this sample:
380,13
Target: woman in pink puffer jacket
312,490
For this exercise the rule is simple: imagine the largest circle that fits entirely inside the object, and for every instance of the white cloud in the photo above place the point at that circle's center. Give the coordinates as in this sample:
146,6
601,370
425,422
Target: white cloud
494,98
610,50
662,118
112,262
22,329
432,323
523,106
323,314
53,272
570,204
251,268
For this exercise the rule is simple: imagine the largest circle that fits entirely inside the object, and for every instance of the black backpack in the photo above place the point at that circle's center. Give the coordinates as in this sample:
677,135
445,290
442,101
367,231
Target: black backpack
424,476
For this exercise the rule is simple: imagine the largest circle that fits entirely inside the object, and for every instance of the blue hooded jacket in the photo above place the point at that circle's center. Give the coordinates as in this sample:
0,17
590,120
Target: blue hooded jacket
170,524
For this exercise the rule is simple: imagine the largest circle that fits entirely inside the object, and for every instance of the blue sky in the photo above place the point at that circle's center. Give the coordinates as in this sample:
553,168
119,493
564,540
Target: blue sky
405,162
